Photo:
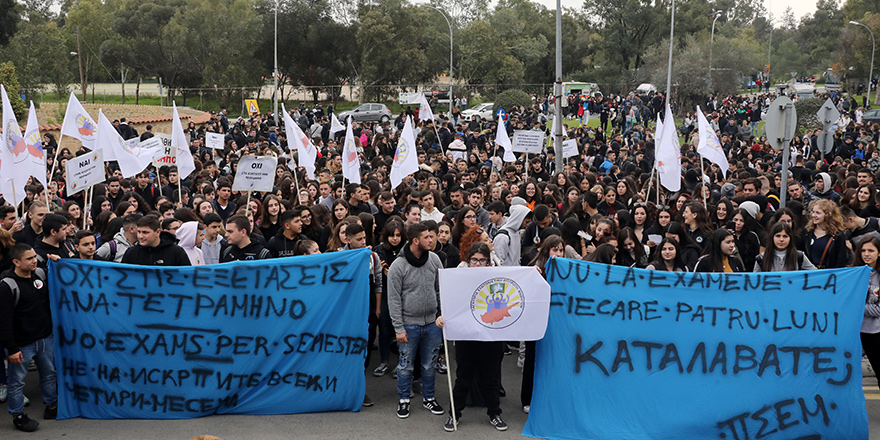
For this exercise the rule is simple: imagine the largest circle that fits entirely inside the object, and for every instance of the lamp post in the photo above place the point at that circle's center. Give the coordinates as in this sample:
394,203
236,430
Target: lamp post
275,72
558,91
669,66
711,43
449,23
873,48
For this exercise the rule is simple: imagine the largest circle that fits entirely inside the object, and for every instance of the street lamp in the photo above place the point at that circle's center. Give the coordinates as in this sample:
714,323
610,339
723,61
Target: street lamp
275,72
711,42
873,48
449,23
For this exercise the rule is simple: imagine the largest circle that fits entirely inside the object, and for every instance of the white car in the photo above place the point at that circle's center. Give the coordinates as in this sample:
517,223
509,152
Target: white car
483,111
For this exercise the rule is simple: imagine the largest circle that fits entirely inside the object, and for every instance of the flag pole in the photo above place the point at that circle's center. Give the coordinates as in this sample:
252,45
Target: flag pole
438,140
247,206
86,209
296,182
449,380
54,163
703,181
15,199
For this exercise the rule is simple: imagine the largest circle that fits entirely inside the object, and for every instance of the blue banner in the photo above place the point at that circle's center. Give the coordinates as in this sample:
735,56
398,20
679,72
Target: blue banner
275,336
632,354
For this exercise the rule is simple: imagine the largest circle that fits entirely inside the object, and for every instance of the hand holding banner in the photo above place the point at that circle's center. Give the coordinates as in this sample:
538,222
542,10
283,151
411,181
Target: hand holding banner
255,173
84,171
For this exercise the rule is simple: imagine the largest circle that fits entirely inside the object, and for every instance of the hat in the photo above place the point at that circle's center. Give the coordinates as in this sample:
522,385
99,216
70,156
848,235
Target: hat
728,190
750,207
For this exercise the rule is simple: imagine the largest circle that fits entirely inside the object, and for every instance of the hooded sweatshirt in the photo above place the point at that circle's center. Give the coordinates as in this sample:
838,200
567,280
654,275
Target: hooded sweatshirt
507,242
186,236
166,253
281,246
122,244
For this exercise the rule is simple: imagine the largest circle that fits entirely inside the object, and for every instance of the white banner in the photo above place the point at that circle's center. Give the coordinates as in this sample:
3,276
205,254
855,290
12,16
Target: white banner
165,156
255,173
404,98
84,171
494,303
569,148
528,141
214,141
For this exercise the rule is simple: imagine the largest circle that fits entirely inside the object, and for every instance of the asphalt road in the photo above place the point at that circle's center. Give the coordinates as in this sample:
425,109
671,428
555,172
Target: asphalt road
377,422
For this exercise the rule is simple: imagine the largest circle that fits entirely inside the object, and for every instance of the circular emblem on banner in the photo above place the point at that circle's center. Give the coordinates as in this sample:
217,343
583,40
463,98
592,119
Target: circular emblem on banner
497,303
38,283
85,125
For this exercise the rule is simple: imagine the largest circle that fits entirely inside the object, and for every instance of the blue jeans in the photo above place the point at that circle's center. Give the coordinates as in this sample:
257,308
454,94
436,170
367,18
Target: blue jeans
755,132
426,341
43,354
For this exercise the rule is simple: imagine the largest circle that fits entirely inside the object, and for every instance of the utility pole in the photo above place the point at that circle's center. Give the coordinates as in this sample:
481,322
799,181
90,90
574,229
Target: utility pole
275,74
557,92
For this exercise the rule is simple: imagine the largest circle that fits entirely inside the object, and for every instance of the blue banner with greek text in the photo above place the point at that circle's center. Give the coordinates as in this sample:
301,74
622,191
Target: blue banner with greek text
637,355
274,336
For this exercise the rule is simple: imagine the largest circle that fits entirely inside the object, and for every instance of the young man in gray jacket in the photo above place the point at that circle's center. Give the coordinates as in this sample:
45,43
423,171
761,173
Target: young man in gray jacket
507,241
414,305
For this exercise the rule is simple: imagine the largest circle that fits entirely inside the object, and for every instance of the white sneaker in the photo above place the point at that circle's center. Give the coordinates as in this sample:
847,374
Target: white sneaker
27,402
2,393
526,408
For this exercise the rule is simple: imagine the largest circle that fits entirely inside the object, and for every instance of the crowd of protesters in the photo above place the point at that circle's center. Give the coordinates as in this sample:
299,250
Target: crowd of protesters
464,207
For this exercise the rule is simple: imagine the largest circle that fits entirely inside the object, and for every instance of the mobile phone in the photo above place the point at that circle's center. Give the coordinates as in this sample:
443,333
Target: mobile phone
585,236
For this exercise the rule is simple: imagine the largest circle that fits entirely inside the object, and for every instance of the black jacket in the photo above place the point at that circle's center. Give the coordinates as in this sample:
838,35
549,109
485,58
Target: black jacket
253,251
166,253
31,319
704,265
281,246
26,235
43,249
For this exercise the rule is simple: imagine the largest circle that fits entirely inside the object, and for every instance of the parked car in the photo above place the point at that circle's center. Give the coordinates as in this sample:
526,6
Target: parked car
483,111
367,112
871,117
646,88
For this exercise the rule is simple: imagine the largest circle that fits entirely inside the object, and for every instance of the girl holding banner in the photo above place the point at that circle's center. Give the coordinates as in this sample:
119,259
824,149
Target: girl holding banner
719,255
782,253
867,252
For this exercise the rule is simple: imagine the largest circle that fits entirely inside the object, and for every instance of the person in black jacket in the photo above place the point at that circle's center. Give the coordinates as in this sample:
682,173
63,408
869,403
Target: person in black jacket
824,237
719,255
241,247
26,334
283,244
34,228
155,247
54,241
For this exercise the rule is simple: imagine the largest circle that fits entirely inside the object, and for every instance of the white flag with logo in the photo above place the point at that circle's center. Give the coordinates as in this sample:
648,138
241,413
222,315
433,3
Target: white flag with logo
425,113
335,125
668,162
351,164
131,158
33,159
12,179
494,303
185,162
78,124
503,140
304,148
709,146
405,160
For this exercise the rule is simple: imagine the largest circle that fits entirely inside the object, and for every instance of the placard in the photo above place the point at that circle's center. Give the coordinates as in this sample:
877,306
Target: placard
279,336
84,171
214,141
528,141
569,148
255,173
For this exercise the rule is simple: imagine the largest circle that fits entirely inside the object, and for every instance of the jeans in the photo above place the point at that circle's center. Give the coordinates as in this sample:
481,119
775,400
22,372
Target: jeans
755,132
43,354
2,366
424,340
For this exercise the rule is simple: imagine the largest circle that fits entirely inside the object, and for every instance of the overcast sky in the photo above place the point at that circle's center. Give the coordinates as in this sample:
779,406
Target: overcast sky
776,7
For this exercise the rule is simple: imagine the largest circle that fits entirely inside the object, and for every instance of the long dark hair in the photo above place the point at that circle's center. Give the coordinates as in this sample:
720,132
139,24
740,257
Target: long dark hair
857,259
791,255
684,240
712,254
660,264
605,254
544,250
623,257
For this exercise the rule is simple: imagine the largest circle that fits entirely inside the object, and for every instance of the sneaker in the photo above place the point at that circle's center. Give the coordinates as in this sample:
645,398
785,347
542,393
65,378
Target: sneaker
521,360
502,392
380,370
50,413
507,350
27,402
403,409
2,393
498,423
367,401
449,426
24,423
441,365
433,406
526,408
394,373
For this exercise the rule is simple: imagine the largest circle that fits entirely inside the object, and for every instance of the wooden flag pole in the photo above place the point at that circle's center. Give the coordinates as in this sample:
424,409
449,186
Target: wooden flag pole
449,380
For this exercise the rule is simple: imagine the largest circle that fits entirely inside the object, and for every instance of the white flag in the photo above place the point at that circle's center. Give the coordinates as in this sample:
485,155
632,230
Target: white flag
296,138
12,179
494,303
33,160
335,125
351,164
503,141
668,149
405,160
78,124
709,146
127,153
425,113
185,162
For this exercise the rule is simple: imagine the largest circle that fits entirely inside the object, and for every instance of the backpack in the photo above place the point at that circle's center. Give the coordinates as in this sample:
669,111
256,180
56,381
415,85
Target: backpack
13,286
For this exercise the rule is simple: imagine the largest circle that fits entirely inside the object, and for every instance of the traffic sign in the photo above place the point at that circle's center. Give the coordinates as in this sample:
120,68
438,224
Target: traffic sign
828,116
781,121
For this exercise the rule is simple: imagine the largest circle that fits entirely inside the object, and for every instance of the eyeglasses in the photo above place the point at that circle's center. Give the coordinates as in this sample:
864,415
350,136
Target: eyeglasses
471,217
478,261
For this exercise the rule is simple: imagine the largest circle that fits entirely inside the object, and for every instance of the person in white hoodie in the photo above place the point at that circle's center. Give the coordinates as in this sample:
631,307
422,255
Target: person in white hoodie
507,241
457,148
189,237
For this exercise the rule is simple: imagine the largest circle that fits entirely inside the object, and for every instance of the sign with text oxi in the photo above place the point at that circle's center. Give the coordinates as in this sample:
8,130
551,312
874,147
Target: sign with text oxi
279,336
637,354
